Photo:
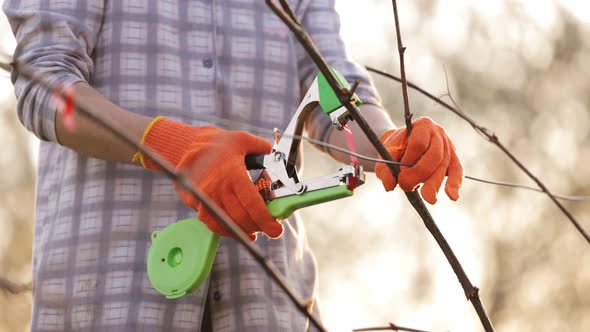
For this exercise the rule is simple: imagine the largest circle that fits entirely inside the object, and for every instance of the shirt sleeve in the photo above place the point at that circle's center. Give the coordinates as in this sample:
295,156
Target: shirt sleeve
54,40
322,22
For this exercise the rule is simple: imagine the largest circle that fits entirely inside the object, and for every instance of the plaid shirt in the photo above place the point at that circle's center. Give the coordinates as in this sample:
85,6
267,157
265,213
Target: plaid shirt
233,59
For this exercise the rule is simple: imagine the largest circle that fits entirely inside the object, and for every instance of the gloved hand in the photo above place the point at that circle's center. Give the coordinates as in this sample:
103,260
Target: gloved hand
431,152
214,160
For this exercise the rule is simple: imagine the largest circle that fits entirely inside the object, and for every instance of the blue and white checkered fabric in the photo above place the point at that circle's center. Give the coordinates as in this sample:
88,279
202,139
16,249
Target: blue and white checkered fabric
232,59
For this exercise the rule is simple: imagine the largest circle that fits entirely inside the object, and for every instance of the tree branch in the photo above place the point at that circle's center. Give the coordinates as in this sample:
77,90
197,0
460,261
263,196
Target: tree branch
491,137
401,49
471,292
221,215
391,327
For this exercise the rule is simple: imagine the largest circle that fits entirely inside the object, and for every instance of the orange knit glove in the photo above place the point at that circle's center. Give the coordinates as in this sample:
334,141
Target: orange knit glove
214,160
431,152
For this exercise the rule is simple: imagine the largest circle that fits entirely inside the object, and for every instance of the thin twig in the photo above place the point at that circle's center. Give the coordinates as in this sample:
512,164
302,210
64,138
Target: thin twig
401,49
471,292
218,120
491,137
578,198
288,10
217,212
233,124
391,327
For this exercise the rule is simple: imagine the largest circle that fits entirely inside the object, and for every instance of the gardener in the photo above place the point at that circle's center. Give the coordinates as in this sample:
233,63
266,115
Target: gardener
155,68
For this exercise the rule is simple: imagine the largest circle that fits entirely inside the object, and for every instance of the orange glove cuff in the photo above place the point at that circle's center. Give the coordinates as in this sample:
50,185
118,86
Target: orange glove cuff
168,138
139,156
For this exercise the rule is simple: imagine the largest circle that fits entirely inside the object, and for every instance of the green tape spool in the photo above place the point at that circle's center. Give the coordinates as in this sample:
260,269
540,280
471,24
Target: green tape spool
180,257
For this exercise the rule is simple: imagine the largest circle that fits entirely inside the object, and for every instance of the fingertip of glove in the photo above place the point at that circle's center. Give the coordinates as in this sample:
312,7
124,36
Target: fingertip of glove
254,144
389,185
387,179
387,134
429,194
275,231
452,192
217,229
408,183
423,120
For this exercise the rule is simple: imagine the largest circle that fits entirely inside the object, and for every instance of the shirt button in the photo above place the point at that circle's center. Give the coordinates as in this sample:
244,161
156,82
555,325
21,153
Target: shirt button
208,63
216,295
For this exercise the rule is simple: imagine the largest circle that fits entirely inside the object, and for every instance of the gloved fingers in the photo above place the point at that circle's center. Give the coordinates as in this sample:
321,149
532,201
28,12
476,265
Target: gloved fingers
395,142
215,226
423,168
238,213
454,175
388,134
249,197
186,197
387,179
384,174
194,166
395,138
419,140
252,144
432,184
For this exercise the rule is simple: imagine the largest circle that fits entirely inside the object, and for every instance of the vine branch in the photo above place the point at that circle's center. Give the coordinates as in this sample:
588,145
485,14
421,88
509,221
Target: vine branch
217,212
391,327
492,138
401,50
471,292
267,265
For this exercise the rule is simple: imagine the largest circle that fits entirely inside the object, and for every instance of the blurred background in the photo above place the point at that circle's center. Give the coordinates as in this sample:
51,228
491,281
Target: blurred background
520,68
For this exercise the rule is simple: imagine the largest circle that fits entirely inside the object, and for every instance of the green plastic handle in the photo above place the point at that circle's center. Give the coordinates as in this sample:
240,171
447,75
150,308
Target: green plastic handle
182,254
283,207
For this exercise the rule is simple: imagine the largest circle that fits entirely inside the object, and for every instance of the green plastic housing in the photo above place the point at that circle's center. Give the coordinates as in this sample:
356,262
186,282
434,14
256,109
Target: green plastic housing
329,102
182,254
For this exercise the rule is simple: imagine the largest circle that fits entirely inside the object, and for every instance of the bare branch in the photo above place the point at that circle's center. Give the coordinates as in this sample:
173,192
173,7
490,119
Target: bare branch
471,292
288,10
575,198
401,49
221,215
233,124
491,136
391,327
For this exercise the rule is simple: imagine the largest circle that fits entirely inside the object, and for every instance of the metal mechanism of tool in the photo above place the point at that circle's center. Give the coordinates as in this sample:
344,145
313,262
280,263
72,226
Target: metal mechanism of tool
181,255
